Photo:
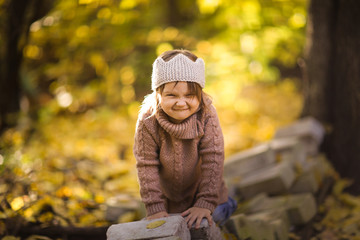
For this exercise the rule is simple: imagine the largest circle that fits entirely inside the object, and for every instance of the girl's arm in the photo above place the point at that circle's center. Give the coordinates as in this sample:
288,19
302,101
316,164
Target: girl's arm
212,153
147,157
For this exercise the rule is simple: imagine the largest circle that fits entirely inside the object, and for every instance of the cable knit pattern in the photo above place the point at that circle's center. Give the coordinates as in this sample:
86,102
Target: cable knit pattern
180,165
179,68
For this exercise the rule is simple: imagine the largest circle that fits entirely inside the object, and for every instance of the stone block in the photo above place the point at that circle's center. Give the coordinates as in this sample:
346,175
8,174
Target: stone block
280,230
206,232
247,161
312,174
311,145
245,228
238,226
276,179
250,205
173,227
168,238
308,129
289,149
308,180
277,219
300,208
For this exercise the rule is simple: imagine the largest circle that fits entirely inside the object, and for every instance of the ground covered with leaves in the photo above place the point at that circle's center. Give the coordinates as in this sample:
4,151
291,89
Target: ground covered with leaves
58,178
60,173
338,215
64,171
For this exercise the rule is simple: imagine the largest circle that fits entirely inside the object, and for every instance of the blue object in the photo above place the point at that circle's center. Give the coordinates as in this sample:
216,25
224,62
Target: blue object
223,212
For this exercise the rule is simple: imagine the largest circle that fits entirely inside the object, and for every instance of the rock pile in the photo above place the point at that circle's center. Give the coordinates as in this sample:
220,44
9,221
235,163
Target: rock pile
275,182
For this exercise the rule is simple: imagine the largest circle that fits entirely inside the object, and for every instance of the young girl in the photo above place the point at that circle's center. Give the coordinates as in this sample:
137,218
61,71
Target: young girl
179,145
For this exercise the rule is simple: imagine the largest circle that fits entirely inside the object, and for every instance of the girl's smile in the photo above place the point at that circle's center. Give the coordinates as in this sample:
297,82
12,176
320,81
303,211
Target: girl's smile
178,102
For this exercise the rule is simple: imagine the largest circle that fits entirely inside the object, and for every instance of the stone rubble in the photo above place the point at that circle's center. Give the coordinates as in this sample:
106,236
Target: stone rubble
275,196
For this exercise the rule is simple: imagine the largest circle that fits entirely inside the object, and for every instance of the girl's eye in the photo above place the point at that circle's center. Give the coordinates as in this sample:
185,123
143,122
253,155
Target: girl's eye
170,95
190,95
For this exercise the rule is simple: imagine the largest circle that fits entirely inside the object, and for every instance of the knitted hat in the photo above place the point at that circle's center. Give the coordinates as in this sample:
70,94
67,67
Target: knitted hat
179,68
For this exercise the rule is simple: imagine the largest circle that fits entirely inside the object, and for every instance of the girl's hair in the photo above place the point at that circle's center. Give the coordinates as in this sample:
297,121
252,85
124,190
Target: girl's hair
168,55
151,102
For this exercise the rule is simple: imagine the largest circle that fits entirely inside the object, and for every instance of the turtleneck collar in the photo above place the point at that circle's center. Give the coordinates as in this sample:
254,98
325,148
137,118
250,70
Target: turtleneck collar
188,129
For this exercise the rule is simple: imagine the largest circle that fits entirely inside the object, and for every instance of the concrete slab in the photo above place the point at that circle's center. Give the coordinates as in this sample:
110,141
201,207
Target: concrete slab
245,228
273,180
289,149
300,208
247,161
277,219
308,129
249,206
307,126
307,180
169,228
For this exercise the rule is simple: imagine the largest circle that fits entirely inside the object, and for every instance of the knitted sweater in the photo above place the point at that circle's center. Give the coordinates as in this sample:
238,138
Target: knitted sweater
180,165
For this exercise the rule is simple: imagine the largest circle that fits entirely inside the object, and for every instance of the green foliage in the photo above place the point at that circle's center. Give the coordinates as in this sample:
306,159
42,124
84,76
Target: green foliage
87,68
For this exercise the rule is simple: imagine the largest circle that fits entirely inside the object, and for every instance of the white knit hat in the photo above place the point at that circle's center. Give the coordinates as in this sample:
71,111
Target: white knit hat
179,68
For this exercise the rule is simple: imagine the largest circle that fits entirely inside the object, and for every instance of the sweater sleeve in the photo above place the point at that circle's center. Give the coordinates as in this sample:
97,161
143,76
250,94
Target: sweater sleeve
146,152
212,154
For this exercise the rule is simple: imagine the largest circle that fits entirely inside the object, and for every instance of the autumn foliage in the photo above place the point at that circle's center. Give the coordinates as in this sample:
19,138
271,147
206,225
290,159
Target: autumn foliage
86,69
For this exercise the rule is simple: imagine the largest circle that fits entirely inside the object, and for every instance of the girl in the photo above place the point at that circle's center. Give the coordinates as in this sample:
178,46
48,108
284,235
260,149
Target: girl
179,146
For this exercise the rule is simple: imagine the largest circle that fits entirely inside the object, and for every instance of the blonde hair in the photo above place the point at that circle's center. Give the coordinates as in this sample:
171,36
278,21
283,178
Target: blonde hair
151,103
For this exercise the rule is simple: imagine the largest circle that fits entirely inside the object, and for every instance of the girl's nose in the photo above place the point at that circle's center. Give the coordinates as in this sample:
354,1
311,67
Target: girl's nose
181,102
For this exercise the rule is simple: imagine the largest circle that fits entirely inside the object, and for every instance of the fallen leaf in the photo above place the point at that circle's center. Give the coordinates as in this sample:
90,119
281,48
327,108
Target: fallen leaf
155,224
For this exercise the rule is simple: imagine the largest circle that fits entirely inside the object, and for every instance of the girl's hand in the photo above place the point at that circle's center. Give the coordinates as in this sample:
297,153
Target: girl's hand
157,215
195,215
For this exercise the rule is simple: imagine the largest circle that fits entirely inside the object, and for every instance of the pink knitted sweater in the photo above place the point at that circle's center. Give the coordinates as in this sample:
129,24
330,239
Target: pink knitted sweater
180,165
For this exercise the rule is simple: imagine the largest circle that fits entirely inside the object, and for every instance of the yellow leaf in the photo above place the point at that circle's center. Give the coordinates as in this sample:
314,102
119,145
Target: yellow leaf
340,185
64,191
38,237
10,238
350,200
127,217
17,203
99,198
155,224
46,217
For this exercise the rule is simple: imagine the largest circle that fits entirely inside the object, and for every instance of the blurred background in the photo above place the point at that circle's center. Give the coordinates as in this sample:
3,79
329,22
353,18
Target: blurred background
85,69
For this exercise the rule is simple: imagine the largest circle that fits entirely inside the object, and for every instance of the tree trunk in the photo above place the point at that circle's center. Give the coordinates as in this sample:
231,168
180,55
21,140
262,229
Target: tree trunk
10,61
19,15
332,81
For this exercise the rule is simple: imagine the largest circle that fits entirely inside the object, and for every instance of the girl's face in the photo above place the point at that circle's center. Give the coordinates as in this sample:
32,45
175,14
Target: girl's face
178,102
